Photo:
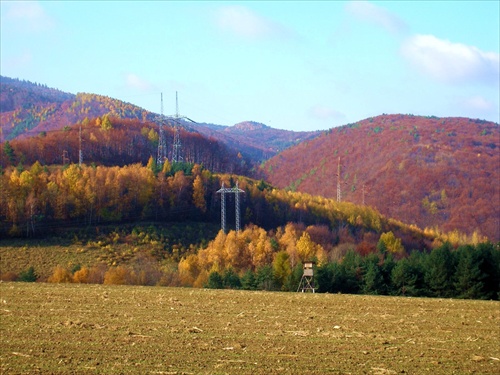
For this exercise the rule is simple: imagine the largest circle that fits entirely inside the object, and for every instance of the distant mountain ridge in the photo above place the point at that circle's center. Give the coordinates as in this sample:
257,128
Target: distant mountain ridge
16,92
28,109
259,140
429,171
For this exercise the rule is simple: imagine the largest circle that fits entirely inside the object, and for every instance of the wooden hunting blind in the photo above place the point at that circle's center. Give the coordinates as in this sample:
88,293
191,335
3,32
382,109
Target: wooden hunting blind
307,281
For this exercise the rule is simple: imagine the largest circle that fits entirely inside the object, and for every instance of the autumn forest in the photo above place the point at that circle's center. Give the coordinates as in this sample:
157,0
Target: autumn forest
416,218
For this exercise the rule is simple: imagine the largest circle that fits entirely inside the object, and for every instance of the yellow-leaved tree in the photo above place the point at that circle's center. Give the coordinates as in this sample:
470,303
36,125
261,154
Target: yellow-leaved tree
390,243
199,194
306,248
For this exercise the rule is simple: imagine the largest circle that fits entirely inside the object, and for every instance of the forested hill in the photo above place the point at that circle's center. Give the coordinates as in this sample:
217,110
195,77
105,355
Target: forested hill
433,172
28,109
115,141
257,140
15,94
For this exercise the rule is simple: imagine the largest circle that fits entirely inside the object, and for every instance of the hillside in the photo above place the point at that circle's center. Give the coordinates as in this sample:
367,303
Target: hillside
15,94
115,141
257,140
28,109
31,109
433,172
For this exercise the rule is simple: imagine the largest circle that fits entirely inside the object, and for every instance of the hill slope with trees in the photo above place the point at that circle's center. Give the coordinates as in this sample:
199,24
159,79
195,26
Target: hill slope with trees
257,140
434,172
118,142
29,109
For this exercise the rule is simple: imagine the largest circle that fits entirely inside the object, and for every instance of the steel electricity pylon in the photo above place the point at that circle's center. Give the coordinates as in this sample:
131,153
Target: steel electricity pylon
223,191
177,123
162,147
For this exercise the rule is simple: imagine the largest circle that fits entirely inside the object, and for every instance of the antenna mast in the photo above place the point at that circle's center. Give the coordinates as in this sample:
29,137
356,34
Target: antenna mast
339,194
80,152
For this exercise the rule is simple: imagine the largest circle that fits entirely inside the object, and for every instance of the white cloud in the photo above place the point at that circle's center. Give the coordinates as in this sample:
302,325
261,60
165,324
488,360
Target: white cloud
29,15
477,103
325,113
244,22
137,83
451,62
377,15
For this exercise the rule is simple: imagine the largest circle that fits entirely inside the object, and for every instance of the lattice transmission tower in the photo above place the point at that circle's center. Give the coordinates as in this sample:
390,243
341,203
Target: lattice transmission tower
236,191
162,147
176,150
177,120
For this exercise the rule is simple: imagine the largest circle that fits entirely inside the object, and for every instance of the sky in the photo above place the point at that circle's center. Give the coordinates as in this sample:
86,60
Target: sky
295,65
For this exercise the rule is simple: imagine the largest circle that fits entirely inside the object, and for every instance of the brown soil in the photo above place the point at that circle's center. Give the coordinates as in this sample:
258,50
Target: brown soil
96,329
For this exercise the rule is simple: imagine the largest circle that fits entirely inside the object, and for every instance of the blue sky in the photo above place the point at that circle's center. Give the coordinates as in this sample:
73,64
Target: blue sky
293,65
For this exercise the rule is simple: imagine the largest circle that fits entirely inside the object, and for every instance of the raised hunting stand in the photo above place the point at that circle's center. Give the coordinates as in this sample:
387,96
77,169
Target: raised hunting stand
307,281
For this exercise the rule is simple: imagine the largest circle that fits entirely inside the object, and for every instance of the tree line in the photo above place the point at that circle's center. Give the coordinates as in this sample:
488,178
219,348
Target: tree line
113,141
274,262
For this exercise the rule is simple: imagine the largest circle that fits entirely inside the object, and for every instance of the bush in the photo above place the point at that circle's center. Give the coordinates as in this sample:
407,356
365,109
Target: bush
248,281
146,270
230,279
118,276
81,276
61,275
97,273
8,276
214,281
28,276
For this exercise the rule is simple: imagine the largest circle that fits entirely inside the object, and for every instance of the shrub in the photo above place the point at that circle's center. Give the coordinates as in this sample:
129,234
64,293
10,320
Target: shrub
214,281
81,276
146,270
248,281
60,275
8,276
118,276
97,273
28,276
230,279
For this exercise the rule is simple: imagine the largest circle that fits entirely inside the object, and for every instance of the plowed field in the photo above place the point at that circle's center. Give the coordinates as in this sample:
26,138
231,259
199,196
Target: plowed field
97,329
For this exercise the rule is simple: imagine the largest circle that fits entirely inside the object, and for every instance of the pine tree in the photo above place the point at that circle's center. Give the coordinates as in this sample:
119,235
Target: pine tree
403,279
469,276
9,152
373,279
440,268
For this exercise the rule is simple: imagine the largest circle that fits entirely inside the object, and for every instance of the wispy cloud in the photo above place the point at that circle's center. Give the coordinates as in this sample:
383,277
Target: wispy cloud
376,15
477,103
135,82
244,22
322,112
29,15
451,62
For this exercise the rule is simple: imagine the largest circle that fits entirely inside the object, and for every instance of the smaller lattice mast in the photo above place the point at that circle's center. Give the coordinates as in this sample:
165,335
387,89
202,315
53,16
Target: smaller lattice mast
80,152
339,193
